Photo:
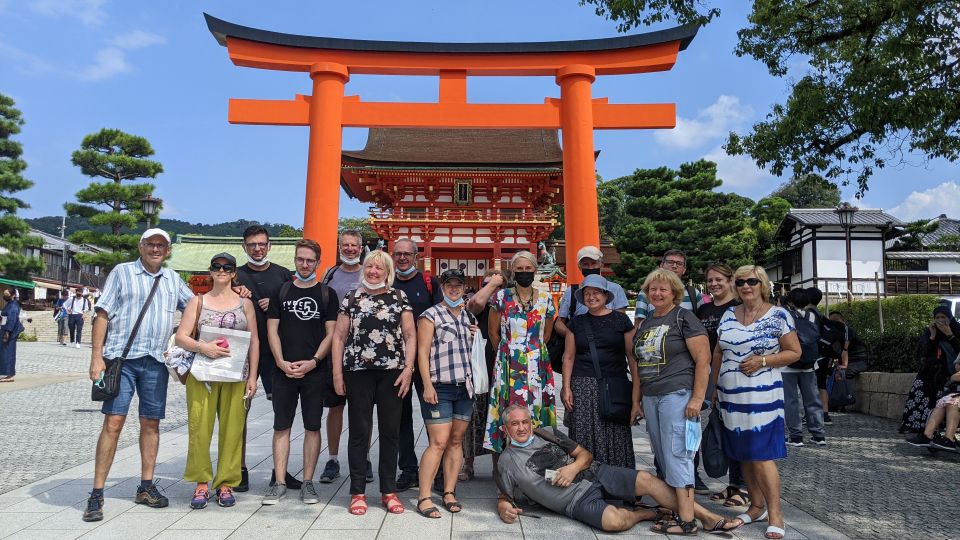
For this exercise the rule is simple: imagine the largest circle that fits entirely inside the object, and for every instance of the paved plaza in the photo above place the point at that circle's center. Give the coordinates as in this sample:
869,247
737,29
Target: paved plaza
865,484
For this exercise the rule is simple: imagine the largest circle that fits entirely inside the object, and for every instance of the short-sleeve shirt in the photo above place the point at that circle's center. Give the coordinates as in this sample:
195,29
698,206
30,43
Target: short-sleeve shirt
645,309
263,284
452,342
664,364
375,338
418,296
303,317
125,293
608,331
710,315
619,301
343,281
522,470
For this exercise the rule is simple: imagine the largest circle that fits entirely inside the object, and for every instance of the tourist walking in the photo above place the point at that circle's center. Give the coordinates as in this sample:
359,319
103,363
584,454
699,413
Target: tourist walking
77,307
10,330
755,340
61,317
597,343
374,354
939,346
217,402
143,372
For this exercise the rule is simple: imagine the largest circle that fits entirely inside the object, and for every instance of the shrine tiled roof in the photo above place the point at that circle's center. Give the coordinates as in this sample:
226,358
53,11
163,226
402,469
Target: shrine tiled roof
502,147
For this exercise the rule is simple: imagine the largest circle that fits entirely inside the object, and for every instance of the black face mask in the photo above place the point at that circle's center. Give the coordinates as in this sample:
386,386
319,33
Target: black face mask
590,272
523,279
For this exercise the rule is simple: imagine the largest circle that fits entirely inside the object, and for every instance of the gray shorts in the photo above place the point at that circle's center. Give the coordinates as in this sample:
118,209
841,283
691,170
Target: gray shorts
612,483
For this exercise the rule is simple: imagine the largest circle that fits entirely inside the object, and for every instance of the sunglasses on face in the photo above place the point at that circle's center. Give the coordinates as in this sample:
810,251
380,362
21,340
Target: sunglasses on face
753,282
226,267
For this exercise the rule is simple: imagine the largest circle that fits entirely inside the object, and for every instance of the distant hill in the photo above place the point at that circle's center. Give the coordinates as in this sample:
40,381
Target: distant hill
51,225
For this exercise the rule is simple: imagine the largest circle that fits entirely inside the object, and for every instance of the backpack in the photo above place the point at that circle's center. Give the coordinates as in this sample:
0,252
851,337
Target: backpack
557,344
328,275
809,334
429,283
695,299
833,336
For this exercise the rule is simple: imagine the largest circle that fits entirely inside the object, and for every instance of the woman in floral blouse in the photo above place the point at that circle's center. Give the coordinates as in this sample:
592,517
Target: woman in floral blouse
521,320
374,350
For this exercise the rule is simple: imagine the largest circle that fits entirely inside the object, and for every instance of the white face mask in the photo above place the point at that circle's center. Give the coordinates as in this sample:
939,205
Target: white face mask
373,286
262,262
349,262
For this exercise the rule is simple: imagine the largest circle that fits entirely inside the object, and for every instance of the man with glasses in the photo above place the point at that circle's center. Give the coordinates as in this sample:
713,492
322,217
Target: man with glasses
675,261
422,292
300,322
125,293
263,279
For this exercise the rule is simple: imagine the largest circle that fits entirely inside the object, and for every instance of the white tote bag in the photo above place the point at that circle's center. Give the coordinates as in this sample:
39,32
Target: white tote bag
232,368
478,362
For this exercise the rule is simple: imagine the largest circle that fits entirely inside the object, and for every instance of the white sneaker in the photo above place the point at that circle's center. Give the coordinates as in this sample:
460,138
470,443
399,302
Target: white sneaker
78,345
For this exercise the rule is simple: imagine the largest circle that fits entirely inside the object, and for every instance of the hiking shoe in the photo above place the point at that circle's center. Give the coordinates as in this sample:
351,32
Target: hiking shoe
274,494
291,481
331,471
943,443
151,497
407,480
200,497
700,487
919,440
795,441
308,493
820,441
827,421
244,485
225,497
94,511
369,477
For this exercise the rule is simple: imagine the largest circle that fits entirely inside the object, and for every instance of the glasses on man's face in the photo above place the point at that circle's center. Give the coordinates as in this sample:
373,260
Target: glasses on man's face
753,282
403,254
308,262
257,245
227,267
155,246
674,263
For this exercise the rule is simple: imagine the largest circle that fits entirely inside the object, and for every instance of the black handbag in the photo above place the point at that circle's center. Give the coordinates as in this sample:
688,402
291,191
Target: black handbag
108,387
616,394
557,343
715,461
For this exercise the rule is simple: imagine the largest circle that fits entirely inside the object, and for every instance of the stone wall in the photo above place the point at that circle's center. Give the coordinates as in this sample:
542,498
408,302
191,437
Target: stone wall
882,394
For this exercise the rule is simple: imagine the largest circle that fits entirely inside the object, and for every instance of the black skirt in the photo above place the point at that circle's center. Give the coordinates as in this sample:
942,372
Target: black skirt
609,442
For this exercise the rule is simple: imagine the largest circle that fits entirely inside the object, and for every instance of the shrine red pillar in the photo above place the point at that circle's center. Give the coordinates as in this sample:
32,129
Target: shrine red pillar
322,203
582,222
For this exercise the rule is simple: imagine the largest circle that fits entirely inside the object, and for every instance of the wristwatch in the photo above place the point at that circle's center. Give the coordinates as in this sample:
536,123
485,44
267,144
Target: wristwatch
317,360
410,367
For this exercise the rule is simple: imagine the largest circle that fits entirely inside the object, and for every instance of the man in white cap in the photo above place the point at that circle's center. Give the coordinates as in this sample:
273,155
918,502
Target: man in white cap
590,261
130,287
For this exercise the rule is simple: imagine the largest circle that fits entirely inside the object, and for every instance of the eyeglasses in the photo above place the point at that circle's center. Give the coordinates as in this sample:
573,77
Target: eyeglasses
216,267
753,282
155,246
403,254
301,260
674,263
257,245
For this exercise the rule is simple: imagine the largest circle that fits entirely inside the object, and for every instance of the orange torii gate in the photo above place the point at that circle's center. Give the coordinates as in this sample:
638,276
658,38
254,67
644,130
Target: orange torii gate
331,61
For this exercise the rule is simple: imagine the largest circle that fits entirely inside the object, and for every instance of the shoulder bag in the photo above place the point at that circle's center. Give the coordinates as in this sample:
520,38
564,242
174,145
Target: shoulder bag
108,387
615,394
176,357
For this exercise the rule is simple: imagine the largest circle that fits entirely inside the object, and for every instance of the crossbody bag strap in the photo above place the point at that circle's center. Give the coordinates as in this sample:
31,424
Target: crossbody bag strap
594,356
143,311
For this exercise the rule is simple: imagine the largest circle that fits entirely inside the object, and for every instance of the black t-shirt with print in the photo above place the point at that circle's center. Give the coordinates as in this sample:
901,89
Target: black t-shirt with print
302,315
263,284
608,331
710,315
418,296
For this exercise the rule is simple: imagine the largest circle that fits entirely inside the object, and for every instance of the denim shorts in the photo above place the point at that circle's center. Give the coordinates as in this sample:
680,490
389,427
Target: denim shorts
667,427
146,377
453,403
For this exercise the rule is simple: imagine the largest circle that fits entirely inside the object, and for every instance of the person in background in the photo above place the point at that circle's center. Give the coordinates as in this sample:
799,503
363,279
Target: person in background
855,358
77,307
825,366
9,333
802,383
60,315
939,346
675,261
947,408
590,261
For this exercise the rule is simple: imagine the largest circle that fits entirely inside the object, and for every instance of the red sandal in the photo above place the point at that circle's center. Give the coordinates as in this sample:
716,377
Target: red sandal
392,503
358,505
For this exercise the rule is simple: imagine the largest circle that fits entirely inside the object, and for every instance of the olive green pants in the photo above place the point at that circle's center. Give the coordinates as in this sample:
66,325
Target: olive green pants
224,401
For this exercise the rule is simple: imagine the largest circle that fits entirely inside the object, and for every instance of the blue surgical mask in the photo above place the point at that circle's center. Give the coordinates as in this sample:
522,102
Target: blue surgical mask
311,277
453,303
407,272
522,445
693,434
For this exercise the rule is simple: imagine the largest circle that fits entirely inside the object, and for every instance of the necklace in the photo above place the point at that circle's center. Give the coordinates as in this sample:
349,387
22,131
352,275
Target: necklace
524,305
752,314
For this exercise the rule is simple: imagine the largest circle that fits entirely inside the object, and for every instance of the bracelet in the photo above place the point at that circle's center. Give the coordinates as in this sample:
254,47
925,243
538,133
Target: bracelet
409,366
199,342
763,361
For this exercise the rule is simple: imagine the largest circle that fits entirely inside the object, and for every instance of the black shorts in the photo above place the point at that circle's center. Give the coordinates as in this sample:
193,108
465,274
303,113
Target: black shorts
330,397
619,483
287,392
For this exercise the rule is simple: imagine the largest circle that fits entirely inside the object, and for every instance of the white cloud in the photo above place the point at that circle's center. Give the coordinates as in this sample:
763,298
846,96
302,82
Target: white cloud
26,62
928,204
110,61
740,173
137,39
715,121
89,12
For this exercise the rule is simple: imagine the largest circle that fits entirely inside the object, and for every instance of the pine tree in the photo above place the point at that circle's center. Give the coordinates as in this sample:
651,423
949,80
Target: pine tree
13,230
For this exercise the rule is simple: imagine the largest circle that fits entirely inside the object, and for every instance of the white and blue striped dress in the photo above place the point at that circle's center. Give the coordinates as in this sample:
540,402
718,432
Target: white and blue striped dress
752,405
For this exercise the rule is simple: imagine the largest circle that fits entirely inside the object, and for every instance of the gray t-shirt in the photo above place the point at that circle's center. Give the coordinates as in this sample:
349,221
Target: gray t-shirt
343,281
522,472
664,364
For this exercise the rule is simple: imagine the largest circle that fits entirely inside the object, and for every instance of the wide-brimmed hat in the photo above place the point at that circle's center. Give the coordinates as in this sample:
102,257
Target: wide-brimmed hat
597,282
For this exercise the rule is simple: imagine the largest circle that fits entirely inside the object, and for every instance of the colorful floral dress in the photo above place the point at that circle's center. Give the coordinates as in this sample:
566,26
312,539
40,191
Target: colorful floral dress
522,374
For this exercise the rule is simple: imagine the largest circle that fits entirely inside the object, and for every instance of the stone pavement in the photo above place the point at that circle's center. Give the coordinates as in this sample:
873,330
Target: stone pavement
861,485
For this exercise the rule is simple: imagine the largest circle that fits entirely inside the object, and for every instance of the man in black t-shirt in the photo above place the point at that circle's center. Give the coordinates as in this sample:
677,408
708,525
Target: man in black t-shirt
300,322
422,291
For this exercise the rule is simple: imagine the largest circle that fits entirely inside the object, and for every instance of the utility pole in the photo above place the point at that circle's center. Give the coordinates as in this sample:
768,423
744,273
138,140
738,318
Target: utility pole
65,255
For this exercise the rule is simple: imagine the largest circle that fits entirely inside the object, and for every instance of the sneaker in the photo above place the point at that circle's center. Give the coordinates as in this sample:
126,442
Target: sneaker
274,494
820,441
244,485
78,345
795,441
94,511
200,497
369,477
291,481
919,440
308,493
700,487
225,497
151,497
331,471
943,443
407,480
827,421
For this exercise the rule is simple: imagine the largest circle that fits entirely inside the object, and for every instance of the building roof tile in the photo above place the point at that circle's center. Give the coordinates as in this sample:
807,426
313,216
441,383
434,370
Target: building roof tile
503,147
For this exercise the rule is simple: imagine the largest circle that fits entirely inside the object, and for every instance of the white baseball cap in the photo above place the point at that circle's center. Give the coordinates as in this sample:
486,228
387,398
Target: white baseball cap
589,252
155,232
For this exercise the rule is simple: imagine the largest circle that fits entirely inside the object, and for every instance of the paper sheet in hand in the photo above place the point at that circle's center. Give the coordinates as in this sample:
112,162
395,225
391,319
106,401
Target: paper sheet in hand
229,369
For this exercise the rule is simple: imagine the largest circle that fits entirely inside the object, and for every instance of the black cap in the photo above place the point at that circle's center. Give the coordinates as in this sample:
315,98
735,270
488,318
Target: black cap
224,255
453,273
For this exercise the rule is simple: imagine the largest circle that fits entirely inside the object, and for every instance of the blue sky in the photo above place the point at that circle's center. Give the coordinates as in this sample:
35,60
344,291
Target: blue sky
153,69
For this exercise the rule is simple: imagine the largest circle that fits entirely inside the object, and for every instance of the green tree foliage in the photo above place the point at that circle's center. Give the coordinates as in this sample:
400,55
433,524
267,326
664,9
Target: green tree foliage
117,157
809,191
915,231
632,13
361,224
767,215
679,209
13,230
896,348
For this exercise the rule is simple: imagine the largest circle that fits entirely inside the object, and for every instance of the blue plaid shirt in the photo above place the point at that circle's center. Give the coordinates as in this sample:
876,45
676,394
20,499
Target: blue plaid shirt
124,294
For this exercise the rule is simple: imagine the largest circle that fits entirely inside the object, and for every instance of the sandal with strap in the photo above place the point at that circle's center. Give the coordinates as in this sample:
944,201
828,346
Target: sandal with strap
466,473
723,495
358,505
723,526
686,528
774,532
450,505
739,498
745,517
392,503
430,512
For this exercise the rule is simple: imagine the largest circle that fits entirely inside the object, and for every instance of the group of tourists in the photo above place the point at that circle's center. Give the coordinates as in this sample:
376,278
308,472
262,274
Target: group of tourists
369,331
70,311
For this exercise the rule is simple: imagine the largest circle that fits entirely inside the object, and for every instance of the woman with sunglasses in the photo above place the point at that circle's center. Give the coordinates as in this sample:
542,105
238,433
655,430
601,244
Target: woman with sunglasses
208,402
755,339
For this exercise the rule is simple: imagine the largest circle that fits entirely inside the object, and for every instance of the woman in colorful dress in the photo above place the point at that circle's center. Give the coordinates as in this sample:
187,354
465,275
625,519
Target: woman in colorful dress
520,322
939,345
755,339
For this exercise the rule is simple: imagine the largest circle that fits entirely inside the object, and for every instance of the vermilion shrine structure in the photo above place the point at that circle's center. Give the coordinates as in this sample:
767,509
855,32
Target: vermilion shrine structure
330,62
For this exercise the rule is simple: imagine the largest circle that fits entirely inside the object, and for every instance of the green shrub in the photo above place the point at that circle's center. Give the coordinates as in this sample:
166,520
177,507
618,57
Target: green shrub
27,338
895,349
